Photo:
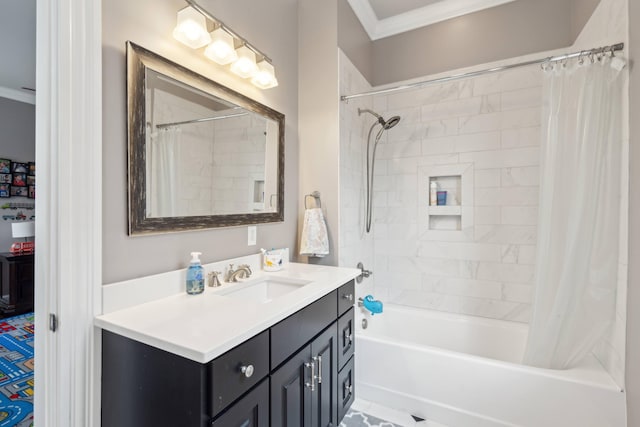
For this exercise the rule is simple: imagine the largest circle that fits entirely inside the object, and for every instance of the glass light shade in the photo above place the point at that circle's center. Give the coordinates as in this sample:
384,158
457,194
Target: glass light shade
221,49
191,28
265,78
245,66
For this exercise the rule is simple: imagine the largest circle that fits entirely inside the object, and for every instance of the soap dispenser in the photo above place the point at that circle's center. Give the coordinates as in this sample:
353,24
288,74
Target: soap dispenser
195,275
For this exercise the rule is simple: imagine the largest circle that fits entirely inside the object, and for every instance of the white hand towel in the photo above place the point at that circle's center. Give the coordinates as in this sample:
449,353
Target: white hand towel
315,240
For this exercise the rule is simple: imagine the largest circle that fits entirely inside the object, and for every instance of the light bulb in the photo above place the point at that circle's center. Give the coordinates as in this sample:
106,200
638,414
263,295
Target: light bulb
265,77
221,48
245,66
191,28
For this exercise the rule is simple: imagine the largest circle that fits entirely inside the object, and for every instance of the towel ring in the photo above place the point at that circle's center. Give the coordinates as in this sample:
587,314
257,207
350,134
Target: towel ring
316,197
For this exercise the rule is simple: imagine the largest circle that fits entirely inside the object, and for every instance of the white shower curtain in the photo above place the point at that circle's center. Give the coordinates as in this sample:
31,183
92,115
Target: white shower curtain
578,222
165,160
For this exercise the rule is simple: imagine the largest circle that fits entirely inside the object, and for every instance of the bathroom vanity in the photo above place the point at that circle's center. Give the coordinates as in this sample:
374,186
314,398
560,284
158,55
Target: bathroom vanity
235,356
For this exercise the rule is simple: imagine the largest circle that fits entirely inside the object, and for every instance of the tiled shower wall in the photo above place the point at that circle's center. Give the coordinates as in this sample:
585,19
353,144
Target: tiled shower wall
491,123
355,245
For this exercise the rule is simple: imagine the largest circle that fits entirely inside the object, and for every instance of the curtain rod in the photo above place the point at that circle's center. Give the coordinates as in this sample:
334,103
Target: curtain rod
594,51
206,119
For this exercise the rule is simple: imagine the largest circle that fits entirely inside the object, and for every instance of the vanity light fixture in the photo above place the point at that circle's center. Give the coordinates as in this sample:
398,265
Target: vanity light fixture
246,61
191,28
245,66
221,49
265,78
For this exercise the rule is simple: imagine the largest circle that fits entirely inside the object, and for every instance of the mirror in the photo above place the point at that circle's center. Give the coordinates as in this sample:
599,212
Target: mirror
200,154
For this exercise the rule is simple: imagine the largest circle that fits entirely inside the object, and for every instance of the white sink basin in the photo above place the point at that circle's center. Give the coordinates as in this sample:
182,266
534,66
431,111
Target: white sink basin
263,289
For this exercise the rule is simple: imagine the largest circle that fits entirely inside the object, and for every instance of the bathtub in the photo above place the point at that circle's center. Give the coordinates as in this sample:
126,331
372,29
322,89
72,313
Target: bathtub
464,371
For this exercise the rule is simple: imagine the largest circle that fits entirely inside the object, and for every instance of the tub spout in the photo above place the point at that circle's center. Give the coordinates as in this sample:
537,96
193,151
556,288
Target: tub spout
370,304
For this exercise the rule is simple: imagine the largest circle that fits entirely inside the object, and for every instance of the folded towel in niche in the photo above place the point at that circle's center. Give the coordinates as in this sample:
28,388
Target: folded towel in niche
314,240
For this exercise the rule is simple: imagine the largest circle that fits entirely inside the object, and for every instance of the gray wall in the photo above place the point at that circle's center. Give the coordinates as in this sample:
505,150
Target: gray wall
18,143
506,31
513,29
354,40
320,113
633,292
272,27
581,11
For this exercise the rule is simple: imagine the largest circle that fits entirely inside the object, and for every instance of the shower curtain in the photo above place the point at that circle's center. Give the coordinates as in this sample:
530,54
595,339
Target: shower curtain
578,221
165,159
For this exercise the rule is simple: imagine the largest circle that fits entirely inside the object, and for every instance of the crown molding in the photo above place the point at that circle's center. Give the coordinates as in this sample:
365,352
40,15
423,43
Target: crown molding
407,21
17,95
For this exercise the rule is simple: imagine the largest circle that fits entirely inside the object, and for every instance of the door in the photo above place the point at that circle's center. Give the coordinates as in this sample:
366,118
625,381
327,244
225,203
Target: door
291,391
324,351
251,411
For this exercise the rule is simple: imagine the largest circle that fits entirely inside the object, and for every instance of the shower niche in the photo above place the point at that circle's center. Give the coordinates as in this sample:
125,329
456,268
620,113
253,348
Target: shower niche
451,218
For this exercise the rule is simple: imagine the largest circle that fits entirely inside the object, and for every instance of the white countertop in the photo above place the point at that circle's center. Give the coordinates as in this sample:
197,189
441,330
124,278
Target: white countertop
202,327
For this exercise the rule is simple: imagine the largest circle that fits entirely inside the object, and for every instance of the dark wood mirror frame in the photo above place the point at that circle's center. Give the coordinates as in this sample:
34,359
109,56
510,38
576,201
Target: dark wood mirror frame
138,61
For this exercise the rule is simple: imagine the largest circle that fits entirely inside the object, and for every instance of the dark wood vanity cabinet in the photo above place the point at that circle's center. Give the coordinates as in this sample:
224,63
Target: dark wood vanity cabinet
299,372
16,284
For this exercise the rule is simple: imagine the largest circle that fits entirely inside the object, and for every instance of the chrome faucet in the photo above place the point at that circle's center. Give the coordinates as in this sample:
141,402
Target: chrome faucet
243,272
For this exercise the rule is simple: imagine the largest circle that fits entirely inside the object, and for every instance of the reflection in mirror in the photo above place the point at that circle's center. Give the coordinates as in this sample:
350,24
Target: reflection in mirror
206,156
200,154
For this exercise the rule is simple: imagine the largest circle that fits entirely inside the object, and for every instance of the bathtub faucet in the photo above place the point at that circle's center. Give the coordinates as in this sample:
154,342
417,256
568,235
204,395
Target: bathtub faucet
370,304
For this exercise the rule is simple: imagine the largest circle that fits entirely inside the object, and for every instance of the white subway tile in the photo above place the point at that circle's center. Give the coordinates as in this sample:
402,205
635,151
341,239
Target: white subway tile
518,254
460,251
508,273
522,176
487,215
521,137
506,234
494,159
480,123
519,215
526,117
487,178
521,98
517,292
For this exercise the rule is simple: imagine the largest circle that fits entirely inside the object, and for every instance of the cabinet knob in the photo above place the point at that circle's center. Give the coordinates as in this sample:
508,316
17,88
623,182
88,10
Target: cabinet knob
348,389
247,370
348,297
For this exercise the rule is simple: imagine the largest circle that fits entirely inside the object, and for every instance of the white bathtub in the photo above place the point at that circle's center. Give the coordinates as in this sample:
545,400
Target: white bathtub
463,371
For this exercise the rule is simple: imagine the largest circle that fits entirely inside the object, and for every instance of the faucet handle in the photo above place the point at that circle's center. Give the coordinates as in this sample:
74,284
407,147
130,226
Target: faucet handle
214,280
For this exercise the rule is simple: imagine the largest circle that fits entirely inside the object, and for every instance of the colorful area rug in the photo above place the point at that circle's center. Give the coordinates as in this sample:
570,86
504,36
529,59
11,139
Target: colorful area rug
16,371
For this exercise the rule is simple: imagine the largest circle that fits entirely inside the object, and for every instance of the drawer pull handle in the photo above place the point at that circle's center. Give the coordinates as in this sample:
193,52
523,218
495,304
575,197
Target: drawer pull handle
319,363
348,297
247,370
312,385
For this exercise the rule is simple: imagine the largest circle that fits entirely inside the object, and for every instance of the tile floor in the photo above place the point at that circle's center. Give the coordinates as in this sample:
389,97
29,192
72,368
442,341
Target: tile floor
368,414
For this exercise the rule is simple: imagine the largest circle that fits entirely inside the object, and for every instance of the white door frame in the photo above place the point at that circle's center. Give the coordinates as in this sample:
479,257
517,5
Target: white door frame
68,212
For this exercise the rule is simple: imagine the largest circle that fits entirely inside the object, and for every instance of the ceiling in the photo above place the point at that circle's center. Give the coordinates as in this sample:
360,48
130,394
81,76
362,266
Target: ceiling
384,18
18,49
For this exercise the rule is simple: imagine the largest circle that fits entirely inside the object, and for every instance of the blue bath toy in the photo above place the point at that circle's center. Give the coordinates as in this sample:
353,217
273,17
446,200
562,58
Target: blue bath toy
372,305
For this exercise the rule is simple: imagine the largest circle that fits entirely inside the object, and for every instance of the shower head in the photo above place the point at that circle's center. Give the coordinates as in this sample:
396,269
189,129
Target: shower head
386,124
391,122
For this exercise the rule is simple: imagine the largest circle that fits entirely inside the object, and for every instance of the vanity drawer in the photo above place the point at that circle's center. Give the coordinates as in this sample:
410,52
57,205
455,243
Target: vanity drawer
296,330
346,296
236,371
346,337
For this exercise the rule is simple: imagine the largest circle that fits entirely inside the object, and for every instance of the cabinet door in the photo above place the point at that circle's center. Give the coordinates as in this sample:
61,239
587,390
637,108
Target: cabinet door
291,392
250,411
346,385
346,338
324,353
